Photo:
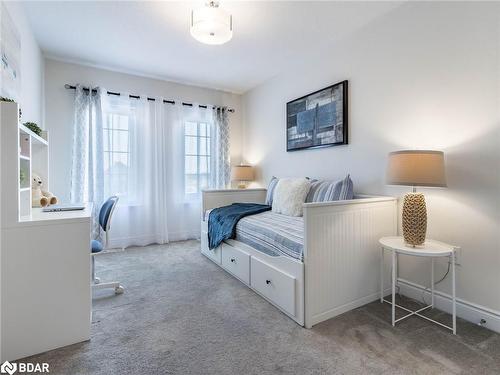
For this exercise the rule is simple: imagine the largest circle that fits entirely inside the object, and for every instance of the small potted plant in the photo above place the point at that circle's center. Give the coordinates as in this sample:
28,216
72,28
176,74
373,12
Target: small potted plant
34,128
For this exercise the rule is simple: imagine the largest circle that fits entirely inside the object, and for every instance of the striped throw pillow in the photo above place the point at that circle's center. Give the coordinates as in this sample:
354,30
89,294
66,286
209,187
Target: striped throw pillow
327,191
270,190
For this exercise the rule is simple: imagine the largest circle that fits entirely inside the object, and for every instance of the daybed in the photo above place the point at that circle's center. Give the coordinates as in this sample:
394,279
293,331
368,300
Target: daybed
317,266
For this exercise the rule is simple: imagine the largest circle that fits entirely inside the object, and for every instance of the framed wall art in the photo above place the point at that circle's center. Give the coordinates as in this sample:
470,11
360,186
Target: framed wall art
318,119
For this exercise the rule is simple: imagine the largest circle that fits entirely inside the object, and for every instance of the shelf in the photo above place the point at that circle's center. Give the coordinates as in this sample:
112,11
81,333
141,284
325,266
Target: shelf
24,157
36,138
24,172
25,189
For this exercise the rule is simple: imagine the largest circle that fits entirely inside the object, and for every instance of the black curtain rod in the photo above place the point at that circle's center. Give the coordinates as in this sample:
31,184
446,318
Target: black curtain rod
71,87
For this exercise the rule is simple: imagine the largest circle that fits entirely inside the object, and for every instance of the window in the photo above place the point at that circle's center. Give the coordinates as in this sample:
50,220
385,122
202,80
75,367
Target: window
197,160
117,128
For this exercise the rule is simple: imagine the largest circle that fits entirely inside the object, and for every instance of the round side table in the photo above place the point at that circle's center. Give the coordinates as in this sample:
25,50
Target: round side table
431,249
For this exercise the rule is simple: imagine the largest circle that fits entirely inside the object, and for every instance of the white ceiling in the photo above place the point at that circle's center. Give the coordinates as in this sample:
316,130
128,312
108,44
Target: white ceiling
152,38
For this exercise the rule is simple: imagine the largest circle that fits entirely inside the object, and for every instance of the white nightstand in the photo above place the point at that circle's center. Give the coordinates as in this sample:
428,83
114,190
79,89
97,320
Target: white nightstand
431,249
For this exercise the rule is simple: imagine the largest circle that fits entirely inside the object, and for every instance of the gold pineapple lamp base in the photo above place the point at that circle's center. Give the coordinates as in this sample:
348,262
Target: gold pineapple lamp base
414,219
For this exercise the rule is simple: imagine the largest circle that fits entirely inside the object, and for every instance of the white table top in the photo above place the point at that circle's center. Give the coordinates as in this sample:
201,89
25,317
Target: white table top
38,217
430,248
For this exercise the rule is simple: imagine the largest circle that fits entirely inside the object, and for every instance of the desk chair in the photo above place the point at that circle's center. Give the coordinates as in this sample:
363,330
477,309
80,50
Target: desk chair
96,246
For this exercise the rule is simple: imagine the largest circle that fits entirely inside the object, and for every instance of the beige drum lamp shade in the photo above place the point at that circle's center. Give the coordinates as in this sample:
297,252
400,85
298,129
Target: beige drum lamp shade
416,168
242,173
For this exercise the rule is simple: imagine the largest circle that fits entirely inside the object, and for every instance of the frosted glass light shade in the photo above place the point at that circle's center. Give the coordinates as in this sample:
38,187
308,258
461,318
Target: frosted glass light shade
242,173
416,168
211,24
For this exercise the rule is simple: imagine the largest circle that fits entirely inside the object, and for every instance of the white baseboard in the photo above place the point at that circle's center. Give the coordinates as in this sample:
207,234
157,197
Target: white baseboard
315,319
466,310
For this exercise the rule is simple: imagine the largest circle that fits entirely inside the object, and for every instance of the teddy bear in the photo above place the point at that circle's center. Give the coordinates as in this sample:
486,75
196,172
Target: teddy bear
40,197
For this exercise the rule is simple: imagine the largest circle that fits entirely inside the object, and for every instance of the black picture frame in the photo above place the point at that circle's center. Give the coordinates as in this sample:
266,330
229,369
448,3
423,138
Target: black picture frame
314,119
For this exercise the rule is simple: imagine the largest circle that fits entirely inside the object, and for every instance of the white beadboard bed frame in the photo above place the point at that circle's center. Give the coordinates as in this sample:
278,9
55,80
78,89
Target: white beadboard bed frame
340,270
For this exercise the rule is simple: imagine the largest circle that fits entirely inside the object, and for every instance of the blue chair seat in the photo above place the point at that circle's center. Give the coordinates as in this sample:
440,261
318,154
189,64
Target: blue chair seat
96,246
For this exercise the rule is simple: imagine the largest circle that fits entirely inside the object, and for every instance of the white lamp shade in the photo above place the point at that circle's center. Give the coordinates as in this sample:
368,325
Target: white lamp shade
211,25
242,173
416,168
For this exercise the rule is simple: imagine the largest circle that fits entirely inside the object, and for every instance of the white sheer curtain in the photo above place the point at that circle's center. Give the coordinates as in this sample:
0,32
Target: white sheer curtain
136,170
87,168
136,149
184,207
184,210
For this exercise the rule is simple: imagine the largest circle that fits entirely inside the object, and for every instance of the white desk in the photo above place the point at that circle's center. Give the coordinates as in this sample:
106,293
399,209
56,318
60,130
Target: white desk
45,282
38,217
430,249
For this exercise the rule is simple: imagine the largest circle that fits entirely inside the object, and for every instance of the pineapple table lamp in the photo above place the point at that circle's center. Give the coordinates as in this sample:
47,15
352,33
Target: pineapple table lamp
414,168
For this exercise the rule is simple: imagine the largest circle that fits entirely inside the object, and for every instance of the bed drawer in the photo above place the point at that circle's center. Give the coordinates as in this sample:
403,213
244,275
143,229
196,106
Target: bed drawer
273,284
215,254
236,262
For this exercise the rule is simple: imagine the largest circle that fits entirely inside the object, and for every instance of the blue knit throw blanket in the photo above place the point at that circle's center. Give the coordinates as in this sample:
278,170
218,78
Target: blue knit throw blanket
222,221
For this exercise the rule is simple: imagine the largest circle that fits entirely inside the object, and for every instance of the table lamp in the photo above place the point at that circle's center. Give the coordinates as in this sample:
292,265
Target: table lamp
415,168
243,174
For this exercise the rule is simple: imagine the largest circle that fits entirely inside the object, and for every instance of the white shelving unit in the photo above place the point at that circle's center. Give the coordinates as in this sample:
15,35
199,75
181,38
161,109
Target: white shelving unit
32,156
45,257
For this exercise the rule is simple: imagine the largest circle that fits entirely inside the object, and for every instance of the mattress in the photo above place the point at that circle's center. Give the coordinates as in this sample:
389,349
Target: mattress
272,234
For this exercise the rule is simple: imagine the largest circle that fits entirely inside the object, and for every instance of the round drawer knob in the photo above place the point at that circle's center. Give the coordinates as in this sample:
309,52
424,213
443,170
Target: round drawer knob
233,260
268,282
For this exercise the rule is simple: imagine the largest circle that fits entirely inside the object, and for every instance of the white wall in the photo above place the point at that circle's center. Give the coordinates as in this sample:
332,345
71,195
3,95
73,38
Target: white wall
423,76
31,100
59,109
32,67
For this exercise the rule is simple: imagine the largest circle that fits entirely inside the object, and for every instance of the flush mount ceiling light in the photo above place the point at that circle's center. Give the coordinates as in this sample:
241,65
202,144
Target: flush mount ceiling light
211,24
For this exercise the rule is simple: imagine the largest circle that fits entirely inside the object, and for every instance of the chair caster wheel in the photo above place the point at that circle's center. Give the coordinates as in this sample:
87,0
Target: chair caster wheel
97,280
119,289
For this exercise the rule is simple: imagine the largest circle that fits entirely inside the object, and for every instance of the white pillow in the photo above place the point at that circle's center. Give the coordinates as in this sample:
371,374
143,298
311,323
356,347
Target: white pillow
289,195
